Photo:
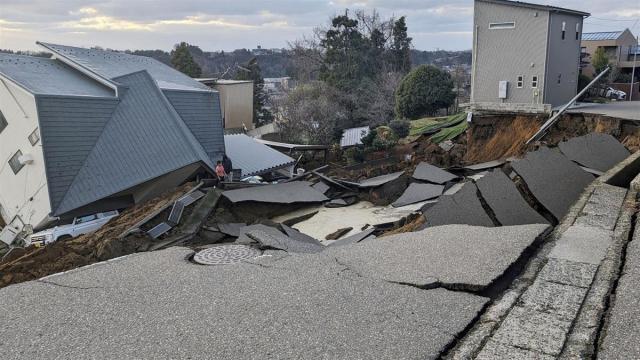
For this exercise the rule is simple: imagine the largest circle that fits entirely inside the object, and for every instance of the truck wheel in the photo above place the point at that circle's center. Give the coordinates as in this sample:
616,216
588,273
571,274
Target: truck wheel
64,237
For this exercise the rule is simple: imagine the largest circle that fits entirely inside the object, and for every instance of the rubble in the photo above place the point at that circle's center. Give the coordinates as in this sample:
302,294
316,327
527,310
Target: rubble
417,192
433,174
595,151
555,181
463,207
506,203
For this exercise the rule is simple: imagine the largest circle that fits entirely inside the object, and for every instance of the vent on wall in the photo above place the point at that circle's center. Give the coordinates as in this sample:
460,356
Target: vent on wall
502,25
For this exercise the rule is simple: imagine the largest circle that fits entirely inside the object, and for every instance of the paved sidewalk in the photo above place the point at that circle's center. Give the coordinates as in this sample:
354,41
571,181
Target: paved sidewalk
538,326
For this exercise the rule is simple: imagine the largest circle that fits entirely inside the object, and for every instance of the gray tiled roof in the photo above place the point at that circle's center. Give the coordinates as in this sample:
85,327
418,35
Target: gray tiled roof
47,76
253,157
144,139
602,35
111,64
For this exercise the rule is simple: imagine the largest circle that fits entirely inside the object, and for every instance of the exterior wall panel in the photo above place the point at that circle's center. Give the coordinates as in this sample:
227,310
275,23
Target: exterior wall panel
25,194
504,54
563,66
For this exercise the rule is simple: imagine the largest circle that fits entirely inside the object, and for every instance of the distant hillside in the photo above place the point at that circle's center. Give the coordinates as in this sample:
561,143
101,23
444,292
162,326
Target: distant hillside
274,62
277,63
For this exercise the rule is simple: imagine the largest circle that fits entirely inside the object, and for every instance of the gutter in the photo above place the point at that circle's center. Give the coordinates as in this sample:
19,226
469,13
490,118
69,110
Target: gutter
93,75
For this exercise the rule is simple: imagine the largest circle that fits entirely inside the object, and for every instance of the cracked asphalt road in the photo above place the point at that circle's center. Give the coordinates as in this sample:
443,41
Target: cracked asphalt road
158,305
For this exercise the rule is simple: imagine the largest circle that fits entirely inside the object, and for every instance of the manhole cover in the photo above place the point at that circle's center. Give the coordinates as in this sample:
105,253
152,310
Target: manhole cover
226,254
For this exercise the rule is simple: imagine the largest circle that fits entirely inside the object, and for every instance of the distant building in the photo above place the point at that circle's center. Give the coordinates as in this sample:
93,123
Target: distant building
91,130
277,85
236,101
619,46
525,54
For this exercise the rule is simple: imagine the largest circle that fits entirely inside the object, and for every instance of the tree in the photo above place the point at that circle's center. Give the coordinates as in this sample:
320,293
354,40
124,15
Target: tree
182,60
345,54
599,60
251,71
309,114
401,47
423,91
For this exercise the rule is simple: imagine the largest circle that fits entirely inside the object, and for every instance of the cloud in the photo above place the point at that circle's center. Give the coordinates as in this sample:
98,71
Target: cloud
228,25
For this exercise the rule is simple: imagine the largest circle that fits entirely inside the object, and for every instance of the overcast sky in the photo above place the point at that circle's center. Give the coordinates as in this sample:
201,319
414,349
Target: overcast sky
233,24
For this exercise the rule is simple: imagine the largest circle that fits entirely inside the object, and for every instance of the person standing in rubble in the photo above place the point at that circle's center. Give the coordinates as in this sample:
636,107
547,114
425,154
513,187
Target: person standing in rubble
220,173
228,167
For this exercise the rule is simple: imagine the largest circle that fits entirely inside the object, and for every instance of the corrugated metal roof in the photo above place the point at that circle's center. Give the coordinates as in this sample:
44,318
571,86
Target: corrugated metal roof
253,157
144,139
47,76
603,35
353,136
111,64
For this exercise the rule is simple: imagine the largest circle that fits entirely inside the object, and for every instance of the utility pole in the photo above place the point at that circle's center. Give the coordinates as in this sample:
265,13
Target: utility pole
633,70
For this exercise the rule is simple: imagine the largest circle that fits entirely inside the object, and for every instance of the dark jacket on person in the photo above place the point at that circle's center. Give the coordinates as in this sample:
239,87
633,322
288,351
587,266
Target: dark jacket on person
226,162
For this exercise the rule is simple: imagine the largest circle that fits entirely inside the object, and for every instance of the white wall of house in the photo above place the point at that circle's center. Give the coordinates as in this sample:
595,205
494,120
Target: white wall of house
24,197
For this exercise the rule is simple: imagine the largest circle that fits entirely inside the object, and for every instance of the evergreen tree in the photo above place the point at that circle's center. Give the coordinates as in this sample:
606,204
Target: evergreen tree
423,91
182,61
251,71
401,47
345,62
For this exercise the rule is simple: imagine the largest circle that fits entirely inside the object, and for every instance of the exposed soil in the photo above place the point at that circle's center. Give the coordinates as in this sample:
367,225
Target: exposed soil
102,245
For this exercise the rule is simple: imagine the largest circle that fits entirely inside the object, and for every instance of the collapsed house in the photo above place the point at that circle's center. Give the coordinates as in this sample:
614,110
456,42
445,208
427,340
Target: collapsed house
89,130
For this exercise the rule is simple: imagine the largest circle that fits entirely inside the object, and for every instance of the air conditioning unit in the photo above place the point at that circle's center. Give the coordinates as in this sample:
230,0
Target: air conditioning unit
8,235
25,159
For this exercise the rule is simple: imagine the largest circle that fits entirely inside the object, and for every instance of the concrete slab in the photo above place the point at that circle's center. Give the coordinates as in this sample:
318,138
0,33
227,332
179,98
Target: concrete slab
505,200
555,181
433,174
496,351
418,192
353,239
231,229
603,207
160,305
596,151
283,193
321,187
463,207
568,272
559,299
376,181
297,235
468,256
584,244
244,239
283,242
532,330
485,165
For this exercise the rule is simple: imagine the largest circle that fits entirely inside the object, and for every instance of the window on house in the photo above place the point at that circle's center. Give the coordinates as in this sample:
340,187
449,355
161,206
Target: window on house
15,163
534,81
520,82
577,31
559,78
3,122
564,29
502,25
34,137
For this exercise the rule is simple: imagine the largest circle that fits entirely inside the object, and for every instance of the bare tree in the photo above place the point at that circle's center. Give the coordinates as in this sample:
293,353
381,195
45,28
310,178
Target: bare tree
309,114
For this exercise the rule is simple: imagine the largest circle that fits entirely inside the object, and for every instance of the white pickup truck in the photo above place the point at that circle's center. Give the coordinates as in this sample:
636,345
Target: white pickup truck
79,226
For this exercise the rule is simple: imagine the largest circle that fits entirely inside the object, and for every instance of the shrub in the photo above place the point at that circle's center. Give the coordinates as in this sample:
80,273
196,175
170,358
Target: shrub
424,90
400,127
